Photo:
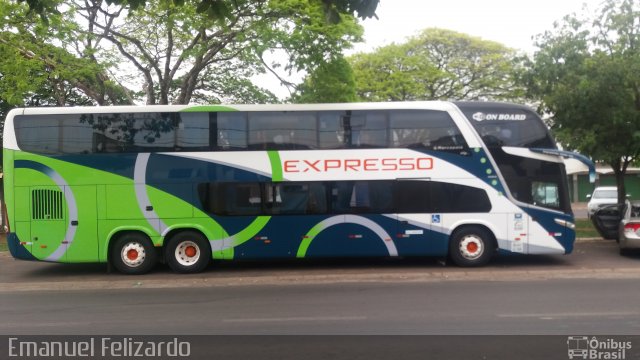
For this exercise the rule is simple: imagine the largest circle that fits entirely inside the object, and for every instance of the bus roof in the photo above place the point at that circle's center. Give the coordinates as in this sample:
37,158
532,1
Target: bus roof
432,105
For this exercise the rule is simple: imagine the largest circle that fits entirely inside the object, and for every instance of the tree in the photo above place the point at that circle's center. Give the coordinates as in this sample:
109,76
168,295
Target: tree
165,52
93,53
331,82
586,74
217,9
437,64
33,69
33,72
177,50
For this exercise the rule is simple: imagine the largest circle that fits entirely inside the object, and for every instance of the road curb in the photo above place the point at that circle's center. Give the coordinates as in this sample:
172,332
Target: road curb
315,279
585,239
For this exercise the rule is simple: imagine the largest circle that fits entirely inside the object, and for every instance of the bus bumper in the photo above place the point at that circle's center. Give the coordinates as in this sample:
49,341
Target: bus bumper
16,249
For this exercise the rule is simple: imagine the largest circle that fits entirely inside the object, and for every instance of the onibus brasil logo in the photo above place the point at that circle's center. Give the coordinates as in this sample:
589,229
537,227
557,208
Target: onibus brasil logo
583,347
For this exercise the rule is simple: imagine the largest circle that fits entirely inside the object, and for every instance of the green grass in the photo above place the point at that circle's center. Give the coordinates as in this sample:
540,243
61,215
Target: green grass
585,229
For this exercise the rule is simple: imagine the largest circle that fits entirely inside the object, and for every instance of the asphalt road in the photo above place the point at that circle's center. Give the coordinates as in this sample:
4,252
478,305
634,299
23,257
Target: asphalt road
466,307
582,306
593,291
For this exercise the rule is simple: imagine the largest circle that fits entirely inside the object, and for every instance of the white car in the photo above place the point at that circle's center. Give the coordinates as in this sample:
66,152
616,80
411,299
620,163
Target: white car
602,196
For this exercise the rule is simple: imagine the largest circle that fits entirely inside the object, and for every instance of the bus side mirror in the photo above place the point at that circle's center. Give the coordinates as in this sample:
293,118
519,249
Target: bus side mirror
588,196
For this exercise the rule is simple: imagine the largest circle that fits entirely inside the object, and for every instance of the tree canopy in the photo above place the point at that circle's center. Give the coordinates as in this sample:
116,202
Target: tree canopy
331,82
437,64
35,71
164,52
218,9
586,74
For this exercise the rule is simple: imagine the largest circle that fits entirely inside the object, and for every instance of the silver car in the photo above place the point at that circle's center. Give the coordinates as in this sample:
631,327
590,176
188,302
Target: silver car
620,222
629,229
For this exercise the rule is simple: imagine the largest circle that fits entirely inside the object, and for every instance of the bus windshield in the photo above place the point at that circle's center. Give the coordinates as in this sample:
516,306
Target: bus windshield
530,179
507,125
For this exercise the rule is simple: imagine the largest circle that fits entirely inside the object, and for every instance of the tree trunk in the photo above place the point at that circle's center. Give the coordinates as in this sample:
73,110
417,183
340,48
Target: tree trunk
620,170
622,192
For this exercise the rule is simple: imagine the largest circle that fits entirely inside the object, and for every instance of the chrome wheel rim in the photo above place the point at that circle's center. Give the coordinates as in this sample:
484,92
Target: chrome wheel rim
133,254
471,247
187,253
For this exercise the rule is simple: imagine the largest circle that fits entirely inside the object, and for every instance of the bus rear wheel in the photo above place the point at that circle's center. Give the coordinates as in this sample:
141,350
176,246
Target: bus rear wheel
133,254
188,252
471,246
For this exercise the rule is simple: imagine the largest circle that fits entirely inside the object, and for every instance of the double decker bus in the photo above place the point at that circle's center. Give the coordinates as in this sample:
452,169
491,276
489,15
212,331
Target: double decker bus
138,185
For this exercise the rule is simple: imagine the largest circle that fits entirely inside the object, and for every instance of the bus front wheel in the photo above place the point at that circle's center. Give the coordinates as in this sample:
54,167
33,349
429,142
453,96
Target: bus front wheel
471,246
133,254
188,252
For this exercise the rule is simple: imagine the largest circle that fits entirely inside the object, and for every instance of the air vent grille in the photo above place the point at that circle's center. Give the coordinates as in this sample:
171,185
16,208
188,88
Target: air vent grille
47,204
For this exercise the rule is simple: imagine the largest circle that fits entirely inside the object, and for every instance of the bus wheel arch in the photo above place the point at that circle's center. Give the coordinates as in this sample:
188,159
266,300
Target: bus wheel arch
132,252
187,250
472,245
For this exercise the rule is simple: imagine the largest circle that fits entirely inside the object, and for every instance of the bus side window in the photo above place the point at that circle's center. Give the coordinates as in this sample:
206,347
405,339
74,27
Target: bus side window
409,129
362,197
317,203
368,129
295,198
331,134
231,130
247,199
424,129
341,193
231,198
455,198
413,196
282,130
381,194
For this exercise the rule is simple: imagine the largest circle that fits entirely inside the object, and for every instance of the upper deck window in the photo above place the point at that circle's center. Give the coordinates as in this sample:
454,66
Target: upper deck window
424,129
56,134
112,133
282,130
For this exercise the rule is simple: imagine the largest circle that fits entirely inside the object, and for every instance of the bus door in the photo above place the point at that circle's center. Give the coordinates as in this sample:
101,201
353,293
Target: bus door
413,234
48,222
413,203
370,225
82,229
296,227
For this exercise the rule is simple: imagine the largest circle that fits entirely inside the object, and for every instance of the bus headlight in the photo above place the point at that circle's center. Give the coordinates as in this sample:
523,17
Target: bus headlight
565,223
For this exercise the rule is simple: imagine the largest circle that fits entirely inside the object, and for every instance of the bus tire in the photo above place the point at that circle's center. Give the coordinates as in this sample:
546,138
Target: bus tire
471,246
625,252
133,254
188,252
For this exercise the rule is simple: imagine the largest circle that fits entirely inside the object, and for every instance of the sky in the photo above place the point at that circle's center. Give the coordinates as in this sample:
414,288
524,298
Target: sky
510,22
513,23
